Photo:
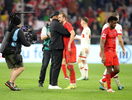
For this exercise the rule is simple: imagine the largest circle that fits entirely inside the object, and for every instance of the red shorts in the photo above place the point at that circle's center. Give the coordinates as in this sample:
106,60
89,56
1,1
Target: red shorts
70,56
111,59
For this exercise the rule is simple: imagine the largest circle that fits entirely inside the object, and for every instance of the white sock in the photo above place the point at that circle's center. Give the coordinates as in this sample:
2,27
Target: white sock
117,80
81,68
104,74
86,70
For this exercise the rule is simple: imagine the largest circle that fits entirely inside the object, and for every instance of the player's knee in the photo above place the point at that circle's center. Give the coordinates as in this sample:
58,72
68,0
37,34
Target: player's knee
79,60
63,61
117,71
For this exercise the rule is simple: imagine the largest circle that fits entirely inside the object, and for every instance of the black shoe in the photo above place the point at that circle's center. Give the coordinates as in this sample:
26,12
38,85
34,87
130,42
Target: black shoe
40,84
86,78
10,85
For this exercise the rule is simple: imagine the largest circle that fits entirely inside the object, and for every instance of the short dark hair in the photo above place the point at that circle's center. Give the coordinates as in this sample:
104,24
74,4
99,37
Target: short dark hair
112,18
85,19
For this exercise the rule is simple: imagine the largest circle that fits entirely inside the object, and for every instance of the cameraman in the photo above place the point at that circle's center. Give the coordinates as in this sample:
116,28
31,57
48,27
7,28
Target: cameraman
12,53
46,51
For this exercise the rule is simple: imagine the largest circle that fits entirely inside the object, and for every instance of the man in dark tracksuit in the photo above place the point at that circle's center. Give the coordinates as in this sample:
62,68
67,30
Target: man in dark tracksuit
56,47
46,52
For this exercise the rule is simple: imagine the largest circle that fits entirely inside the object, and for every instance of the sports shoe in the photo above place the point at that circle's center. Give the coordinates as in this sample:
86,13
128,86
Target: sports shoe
120,87
110,90
16,89
102,87
67,78
86,78
54,87
81,78
40,85
70,87
10,85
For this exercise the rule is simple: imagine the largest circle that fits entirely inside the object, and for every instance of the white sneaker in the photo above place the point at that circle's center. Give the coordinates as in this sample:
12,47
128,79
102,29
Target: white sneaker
81,78
49,86
110,90
54,87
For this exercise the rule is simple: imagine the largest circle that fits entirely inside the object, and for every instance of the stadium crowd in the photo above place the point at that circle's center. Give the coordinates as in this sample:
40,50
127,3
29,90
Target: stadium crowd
96,10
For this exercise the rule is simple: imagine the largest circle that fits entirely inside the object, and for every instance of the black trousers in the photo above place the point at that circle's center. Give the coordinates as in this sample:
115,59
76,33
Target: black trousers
56,61
45,62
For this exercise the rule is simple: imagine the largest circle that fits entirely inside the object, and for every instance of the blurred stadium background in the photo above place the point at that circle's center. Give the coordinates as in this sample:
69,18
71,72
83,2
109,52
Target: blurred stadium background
96,10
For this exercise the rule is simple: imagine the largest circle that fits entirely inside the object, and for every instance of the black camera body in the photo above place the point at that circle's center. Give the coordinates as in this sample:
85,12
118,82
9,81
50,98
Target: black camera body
29,34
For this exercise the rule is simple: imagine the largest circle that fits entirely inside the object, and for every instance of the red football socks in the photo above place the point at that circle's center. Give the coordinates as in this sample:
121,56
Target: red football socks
72,73
63,66
108,80
111,75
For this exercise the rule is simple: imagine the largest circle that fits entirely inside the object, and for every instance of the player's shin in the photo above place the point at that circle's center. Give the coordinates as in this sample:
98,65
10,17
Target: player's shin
108,80
86,71
72,74
117,80
63,66
81,68
104,74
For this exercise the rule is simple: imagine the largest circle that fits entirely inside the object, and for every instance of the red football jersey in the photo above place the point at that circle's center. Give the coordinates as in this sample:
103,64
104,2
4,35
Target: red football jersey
110,36
66,39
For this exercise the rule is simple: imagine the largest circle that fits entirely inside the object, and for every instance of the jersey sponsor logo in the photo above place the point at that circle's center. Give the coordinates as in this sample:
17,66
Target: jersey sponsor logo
127,57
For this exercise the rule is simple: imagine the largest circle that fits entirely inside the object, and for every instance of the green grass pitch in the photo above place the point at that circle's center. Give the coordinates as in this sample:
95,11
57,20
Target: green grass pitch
86,90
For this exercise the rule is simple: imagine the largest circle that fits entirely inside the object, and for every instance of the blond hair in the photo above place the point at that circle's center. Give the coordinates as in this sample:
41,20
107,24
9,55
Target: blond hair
115,14
64,15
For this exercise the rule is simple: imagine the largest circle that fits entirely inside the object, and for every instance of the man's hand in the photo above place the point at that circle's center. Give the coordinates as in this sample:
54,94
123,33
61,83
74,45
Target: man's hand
86,50
124,52
69,47
103,59
100,54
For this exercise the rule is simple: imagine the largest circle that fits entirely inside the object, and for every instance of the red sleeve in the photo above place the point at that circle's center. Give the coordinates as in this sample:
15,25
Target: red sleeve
68,26
104,34
119,33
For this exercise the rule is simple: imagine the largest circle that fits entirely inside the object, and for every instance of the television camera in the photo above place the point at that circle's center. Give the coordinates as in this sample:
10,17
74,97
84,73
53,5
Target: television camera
29,34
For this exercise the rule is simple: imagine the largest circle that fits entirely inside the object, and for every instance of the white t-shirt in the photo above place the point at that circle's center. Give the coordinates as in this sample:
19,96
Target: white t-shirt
43,31
85,38
119,31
